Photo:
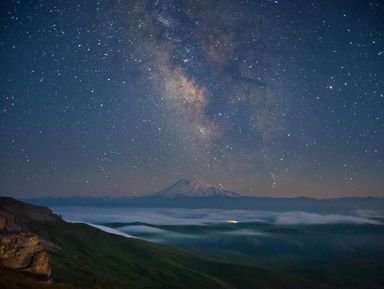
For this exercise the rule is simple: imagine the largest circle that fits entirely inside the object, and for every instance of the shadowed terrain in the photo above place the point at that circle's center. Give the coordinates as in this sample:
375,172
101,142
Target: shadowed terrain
85,257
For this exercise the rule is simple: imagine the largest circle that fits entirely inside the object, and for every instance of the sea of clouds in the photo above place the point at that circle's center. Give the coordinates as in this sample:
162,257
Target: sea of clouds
149,218
179,216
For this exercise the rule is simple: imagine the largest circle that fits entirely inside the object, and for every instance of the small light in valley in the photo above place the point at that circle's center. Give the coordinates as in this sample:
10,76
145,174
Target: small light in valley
231,222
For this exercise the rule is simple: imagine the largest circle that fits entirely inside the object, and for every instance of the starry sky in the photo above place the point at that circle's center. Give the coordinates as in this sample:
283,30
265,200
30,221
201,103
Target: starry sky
124,97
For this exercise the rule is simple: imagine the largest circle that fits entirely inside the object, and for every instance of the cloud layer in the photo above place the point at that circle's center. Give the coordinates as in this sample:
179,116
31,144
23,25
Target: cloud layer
175,216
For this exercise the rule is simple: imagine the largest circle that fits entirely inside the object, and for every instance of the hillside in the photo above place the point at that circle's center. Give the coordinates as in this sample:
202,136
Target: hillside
84,257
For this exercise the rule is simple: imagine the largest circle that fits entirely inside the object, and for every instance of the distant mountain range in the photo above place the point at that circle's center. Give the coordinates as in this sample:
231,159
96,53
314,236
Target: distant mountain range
196,194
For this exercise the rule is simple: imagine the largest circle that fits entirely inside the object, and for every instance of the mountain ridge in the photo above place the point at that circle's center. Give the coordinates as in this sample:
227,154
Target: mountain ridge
192,193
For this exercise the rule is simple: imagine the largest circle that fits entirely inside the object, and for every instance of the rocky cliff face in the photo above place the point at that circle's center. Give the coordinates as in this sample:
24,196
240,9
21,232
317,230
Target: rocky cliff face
23,251
20,249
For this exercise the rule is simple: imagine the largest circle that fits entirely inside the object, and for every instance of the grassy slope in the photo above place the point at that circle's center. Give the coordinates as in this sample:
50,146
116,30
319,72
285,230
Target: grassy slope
90,258
11,279
339,255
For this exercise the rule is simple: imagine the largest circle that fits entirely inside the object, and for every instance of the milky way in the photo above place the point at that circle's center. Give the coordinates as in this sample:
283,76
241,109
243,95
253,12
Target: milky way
271,98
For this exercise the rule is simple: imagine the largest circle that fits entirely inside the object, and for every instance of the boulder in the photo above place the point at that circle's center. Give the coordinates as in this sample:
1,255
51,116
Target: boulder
23,251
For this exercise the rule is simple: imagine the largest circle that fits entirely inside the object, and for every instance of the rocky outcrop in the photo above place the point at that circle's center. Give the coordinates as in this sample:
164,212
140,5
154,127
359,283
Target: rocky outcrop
19,249
23,251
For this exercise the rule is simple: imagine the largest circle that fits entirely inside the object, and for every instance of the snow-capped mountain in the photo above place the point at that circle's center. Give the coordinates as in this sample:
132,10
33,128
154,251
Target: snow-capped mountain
194,188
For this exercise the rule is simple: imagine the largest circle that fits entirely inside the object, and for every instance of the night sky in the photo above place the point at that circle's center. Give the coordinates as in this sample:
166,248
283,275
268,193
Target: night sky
267,98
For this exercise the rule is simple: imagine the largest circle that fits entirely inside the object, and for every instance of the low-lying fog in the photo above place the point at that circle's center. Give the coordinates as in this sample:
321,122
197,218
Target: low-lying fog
167,225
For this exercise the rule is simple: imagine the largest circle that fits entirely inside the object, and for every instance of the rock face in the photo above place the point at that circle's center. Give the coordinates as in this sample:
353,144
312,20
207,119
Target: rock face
20,249
23,251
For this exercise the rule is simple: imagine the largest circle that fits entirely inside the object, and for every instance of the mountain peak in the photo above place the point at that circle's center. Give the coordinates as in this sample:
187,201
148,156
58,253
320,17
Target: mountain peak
194,188
190,183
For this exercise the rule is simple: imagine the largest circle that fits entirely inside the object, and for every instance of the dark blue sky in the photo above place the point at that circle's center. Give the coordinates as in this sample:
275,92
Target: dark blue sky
268,98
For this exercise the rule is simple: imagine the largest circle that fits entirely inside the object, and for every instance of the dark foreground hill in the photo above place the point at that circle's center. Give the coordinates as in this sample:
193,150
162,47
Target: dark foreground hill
81,256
